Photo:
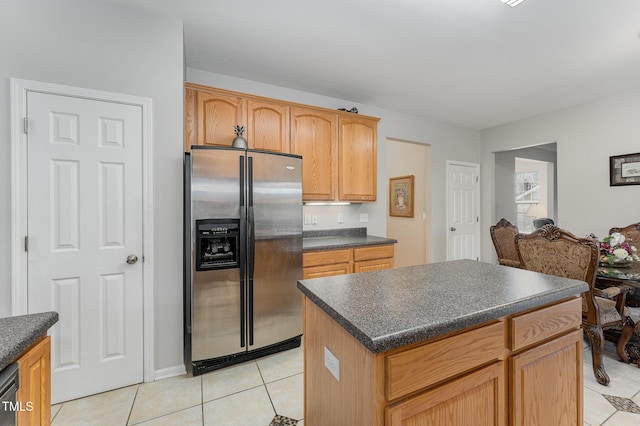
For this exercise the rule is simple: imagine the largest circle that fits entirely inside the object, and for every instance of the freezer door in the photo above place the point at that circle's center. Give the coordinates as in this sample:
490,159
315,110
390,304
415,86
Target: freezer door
218,297
275,217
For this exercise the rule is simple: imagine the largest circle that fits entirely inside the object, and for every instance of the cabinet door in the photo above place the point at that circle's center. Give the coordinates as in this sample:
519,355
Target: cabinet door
34,393
268,126
474,399
357,159
547,383
314,136
210,117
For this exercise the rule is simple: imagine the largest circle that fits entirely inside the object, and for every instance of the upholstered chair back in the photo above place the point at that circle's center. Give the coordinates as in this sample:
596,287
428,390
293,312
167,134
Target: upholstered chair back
503,236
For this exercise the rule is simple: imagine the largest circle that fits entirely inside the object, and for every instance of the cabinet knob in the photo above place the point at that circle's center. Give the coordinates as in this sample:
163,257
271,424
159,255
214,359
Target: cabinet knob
452,229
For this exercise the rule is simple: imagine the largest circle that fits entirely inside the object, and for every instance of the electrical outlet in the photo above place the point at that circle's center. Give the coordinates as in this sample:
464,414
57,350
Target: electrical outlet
332,363
364,217
340,218
314,219
307,218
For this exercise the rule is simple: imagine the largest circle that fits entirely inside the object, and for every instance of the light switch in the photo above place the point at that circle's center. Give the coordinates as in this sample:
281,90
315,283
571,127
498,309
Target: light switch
314,219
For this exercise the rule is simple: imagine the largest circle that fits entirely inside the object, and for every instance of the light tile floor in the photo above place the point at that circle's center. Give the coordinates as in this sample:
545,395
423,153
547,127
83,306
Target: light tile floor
255,392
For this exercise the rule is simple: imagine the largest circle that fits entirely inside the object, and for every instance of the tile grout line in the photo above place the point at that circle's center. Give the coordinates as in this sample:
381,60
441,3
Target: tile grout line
132,404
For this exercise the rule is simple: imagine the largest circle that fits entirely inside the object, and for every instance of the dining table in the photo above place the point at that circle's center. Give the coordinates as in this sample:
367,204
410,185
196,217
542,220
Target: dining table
627,274
623,274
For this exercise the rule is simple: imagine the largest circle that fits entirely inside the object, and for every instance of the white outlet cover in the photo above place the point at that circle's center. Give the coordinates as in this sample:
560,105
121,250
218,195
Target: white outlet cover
364,217
332,363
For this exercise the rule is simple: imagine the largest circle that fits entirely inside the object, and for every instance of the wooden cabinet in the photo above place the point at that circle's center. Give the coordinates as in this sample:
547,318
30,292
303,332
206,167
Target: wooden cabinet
34,394
267,126
210,117
507,371
357,159
211,114
339,150
314,136
326,263
474,399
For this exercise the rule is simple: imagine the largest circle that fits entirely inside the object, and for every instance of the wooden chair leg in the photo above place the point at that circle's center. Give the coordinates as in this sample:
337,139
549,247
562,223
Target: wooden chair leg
625,336
596,341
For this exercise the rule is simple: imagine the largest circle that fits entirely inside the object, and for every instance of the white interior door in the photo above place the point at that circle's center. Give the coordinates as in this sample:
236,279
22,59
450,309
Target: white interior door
84,221
463,211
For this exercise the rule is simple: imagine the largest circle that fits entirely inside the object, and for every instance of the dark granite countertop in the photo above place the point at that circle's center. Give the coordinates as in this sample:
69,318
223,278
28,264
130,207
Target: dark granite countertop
391,308
334,239
19,332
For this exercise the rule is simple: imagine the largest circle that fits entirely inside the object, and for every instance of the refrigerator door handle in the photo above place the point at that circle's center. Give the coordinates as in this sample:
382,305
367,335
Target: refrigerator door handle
242,236
251,245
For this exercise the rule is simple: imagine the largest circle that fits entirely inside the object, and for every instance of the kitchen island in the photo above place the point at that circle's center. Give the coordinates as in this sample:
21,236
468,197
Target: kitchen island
453,343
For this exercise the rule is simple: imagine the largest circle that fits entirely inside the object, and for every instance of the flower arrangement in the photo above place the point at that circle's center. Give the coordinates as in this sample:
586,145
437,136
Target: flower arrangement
616,248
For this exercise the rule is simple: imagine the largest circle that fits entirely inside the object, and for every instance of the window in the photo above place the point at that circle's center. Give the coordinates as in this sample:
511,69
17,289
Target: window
527,194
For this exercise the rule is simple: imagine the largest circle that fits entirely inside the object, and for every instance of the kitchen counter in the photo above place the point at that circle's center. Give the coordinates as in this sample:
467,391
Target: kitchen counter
333,239
456,343
387,309
19,332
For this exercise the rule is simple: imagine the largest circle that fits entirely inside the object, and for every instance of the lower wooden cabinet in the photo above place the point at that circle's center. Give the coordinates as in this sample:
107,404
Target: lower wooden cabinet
34,394
475,399
327,263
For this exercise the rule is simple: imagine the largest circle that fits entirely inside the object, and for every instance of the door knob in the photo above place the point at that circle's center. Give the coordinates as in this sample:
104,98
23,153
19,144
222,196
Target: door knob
452,229
131,259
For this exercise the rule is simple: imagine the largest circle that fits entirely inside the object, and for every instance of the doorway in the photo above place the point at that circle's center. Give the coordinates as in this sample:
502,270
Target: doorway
406,158
82,213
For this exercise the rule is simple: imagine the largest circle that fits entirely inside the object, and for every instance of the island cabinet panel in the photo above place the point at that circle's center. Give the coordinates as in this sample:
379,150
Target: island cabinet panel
547,383
475,399
314,136
429,364
355,396
268,126
357,159
34,394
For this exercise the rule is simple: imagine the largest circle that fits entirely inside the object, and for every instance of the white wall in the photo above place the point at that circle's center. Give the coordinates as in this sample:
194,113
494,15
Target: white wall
448,142
106,47
586,135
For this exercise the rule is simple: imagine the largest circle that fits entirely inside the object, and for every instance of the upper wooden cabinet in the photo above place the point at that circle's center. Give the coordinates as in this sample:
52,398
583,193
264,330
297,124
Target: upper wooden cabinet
314,136
338,149
357,159
210,117
267,126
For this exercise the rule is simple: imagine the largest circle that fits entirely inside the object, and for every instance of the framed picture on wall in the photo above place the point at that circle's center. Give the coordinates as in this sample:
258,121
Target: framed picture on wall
624,170
401,196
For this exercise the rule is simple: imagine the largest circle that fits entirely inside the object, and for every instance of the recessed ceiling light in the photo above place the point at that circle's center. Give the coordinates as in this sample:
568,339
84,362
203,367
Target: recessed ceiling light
512,3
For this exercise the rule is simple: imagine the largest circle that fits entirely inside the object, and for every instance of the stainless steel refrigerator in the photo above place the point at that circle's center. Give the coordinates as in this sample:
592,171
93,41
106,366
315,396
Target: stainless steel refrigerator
243,255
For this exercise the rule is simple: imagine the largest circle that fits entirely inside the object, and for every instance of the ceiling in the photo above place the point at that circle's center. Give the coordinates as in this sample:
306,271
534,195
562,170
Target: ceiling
474,63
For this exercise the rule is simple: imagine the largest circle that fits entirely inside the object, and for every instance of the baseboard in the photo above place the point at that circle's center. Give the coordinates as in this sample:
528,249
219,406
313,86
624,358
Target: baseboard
165,373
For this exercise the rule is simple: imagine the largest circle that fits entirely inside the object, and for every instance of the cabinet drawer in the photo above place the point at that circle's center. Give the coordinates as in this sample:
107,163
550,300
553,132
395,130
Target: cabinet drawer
533,327
431,363
373,265
327,257
373,252
326,270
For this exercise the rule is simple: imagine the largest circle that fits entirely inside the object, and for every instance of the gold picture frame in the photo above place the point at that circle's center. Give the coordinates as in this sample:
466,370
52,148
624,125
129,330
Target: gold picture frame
401,196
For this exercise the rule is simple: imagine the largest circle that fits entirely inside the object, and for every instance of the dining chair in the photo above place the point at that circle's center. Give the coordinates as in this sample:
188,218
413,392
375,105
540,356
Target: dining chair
503,236
555,251
630,232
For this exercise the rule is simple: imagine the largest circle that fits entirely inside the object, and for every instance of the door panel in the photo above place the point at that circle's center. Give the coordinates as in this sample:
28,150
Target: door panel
277,310
84,219
463,216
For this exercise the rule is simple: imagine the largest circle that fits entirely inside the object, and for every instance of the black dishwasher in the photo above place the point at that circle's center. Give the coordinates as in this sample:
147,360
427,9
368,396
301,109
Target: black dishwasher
8,388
